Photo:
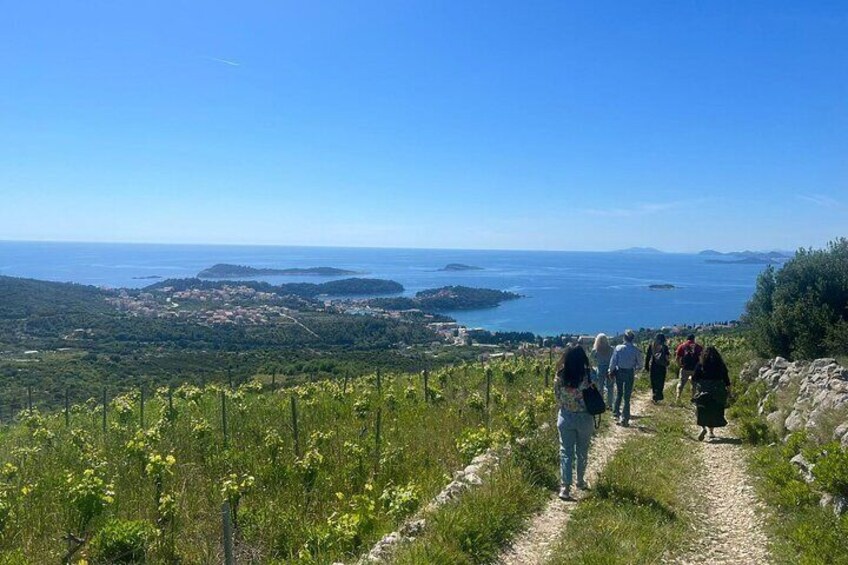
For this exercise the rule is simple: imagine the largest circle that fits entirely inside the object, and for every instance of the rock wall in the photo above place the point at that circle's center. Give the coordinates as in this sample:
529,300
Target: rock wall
804,395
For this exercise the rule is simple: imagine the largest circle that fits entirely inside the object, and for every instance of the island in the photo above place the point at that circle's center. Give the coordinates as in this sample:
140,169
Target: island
147,277
743,257
344,287
227,271
743,261
446,298
664,286
460,267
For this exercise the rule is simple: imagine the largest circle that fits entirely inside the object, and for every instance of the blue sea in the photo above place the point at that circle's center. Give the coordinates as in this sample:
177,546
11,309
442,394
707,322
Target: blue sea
564,292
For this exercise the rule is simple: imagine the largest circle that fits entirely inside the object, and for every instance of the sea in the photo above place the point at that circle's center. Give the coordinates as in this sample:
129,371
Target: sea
562,291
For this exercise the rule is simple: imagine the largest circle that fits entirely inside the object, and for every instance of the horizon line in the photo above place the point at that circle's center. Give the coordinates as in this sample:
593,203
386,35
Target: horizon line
635,250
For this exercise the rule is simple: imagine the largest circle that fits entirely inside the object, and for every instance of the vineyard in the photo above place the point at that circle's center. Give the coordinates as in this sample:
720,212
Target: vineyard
310,474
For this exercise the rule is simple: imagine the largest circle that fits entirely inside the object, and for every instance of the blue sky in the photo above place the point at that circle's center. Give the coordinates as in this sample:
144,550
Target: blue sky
521,125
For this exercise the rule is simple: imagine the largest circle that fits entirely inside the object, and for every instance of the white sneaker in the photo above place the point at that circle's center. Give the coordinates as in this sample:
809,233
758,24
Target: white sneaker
565,493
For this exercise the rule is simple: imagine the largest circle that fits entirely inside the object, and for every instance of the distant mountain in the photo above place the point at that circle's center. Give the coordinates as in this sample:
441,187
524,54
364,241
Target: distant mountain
227,271
641,250
460,267
744,257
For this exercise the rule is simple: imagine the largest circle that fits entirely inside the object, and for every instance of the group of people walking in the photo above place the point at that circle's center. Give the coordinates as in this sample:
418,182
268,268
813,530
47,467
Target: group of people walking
613,375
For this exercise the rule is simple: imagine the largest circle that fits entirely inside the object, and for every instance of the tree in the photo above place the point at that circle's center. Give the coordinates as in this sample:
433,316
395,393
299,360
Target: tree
801,310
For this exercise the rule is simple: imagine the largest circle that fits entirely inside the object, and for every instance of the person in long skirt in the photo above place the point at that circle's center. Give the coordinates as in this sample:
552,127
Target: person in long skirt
656,363
712,387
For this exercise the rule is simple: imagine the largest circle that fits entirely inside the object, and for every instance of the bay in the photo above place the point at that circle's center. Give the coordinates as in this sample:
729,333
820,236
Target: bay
564,291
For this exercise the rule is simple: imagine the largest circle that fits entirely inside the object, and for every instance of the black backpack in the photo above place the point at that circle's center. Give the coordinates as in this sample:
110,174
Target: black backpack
690,357
594,402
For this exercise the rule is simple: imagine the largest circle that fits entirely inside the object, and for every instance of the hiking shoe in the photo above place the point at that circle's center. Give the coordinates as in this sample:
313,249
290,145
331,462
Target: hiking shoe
582,485
564,493
702,435
625,424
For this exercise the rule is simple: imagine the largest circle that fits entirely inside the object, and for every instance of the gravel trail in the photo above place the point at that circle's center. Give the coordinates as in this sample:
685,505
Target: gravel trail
730,526
534,544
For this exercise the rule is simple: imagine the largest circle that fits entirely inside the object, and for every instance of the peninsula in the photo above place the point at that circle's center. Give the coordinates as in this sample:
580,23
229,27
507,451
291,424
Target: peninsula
227,271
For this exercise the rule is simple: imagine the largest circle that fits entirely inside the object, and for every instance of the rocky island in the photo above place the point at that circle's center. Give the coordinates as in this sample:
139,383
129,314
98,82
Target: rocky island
460,267
227,271
447,298
664,286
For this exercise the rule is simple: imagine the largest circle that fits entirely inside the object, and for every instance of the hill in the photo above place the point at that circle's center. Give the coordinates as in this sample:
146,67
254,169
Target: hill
227,271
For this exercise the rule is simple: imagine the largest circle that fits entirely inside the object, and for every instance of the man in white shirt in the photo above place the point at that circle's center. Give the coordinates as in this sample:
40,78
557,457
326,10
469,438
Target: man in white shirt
626,360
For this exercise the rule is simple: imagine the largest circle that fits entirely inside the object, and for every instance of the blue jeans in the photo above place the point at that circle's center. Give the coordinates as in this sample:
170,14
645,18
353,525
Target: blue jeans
605,383
575,433
623,390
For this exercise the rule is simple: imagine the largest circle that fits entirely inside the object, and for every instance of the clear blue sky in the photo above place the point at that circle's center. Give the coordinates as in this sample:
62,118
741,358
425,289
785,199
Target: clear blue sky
531,125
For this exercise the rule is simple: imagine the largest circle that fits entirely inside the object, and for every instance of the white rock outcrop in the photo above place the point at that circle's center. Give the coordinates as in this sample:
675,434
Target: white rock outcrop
821,397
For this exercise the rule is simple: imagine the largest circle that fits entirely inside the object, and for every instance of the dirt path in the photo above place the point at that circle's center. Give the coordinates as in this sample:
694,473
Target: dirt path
731,527
534,544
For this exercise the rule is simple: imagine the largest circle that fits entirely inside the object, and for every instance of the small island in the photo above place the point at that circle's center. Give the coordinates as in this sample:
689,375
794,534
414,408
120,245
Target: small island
446,298
227,271
462,298
147,277
460,267
664,286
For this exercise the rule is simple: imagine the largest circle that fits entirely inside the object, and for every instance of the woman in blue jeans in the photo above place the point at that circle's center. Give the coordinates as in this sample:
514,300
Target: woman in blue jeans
575,424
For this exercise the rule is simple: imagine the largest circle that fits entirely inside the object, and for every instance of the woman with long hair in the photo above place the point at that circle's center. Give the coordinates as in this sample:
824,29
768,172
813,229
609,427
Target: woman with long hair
602,353
712,386
656,364
574,422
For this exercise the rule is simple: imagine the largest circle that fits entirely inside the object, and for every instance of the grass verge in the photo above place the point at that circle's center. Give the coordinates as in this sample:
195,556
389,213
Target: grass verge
476,528
640,509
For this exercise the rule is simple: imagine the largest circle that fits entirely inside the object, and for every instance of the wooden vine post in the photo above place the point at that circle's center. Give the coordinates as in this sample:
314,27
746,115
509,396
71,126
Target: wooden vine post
224,419
67,409
378,425
488,372
104,412
228,534
141,405
425,374
295,428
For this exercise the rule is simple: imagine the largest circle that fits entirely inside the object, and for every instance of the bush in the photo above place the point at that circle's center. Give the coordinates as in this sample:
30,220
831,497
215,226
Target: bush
831,470
801,310
122,541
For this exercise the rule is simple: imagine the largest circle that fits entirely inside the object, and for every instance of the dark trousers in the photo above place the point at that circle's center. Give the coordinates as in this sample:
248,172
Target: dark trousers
658,384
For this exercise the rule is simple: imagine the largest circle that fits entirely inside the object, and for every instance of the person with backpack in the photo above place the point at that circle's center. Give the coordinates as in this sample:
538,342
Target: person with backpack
626,360
688,354
574,422
656,364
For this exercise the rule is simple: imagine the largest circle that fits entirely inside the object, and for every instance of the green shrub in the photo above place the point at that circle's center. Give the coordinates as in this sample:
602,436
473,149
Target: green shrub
801,310
122,541
831,470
